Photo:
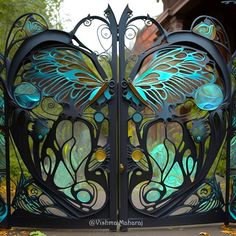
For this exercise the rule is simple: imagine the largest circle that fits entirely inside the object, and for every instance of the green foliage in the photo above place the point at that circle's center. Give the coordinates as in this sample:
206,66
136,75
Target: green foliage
10,10
37,233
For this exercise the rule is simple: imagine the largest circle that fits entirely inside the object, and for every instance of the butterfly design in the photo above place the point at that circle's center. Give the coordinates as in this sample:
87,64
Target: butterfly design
66,155
62,73
173,74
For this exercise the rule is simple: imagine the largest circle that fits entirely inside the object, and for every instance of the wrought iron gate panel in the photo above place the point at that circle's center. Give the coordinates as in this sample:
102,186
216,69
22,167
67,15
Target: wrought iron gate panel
62,123
174,117
72,121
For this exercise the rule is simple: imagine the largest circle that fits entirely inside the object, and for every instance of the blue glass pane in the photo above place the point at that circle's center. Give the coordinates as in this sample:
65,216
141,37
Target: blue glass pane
27,95
137,117
99,117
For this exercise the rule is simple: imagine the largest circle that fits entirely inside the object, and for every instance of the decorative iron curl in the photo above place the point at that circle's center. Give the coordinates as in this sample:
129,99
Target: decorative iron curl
148,22
104,32
131,32
24,27
88,21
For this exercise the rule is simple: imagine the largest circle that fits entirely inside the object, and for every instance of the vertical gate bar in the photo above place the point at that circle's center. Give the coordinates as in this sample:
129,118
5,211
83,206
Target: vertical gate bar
123,126
113,130
113,126
123,157
113,163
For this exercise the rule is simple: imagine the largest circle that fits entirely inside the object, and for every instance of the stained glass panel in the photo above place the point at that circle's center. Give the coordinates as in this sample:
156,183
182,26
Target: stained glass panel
173,169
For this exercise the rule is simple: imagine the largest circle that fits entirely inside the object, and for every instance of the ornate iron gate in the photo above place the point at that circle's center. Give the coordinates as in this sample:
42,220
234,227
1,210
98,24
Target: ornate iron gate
84,145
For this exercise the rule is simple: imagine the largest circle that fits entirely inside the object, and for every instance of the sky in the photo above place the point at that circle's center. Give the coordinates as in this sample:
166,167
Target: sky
72,11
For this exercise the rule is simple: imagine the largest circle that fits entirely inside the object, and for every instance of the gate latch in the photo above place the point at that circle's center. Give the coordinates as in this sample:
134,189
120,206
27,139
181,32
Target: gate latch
122,168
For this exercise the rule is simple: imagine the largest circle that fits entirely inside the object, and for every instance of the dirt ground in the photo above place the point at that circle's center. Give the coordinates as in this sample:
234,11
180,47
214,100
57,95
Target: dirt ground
209,230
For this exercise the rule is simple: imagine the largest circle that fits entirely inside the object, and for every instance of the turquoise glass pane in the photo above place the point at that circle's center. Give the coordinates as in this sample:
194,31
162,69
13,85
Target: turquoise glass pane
27,95
99,117
137,117
83,196
209,97
153,196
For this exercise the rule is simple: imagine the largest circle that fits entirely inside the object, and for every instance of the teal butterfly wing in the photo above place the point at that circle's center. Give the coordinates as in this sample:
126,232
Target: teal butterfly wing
62,73
172,74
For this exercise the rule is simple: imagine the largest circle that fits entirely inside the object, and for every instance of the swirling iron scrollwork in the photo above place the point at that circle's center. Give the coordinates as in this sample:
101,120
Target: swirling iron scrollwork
60,104
134,43
177,98
103,34
23,28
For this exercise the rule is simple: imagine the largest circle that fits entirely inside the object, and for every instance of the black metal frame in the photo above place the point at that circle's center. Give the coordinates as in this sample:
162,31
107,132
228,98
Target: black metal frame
118,123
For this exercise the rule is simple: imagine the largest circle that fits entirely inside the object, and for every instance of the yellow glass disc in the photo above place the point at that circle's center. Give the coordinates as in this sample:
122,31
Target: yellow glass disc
100,155
137,155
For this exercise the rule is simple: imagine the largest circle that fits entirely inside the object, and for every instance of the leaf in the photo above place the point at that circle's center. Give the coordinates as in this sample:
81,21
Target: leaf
37,233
